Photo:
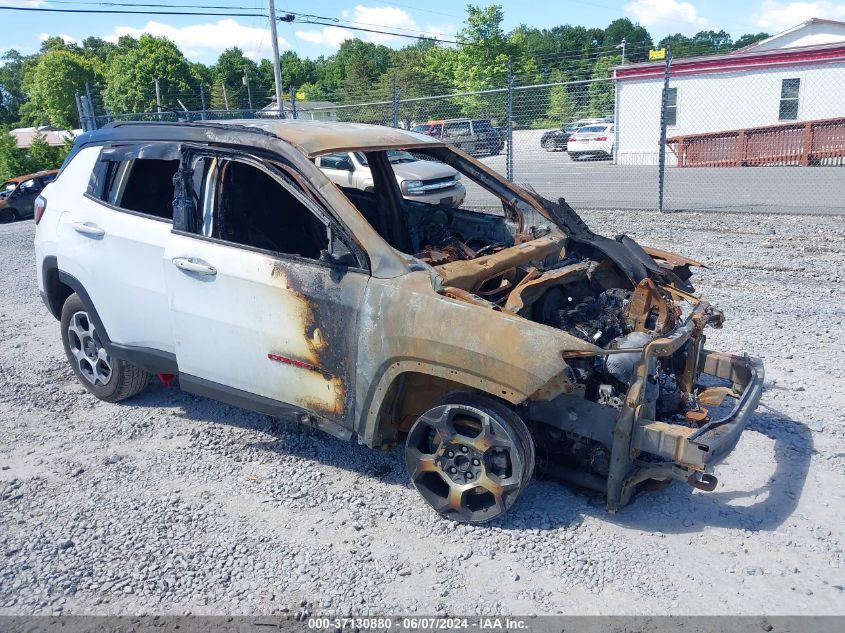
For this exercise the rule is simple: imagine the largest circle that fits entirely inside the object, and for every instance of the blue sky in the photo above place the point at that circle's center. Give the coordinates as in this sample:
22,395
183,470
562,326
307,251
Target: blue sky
203,38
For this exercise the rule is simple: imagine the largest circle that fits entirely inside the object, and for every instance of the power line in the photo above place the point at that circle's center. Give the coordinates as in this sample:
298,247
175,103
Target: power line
131,12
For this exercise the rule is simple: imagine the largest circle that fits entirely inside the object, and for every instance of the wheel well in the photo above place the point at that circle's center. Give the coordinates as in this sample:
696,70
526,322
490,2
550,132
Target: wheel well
56,290
409,396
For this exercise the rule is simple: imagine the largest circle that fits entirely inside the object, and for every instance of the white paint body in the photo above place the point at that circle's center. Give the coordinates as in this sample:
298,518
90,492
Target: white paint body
595,140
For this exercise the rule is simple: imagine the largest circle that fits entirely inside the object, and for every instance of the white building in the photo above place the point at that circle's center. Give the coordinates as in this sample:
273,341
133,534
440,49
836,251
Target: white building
306,110
24,136
796,75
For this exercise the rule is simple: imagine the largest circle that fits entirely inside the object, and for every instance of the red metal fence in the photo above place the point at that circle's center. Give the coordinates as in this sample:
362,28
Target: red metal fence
803,143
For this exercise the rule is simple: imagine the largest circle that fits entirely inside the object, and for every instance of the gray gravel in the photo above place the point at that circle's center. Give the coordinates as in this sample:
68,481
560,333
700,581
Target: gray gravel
171,503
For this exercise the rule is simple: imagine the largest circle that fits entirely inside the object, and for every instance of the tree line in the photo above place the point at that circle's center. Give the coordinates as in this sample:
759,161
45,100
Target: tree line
41,89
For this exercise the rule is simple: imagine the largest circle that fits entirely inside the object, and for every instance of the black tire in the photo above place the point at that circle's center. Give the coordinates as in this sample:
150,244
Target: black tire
8,215
470,457
89,360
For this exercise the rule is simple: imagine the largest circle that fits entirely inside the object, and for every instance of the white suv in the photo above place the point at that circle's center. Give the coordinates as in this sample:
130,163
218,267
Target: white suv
421,180
220,253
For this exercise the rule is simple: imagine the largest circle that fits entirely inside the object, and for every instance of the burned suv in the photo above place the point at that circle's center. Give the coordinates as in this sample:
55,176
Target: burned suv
493,343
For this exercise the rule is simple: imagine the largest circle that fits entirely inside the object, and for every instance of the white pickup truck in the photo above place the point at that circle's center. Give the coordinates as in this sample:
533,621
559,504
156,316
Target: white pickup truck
420,180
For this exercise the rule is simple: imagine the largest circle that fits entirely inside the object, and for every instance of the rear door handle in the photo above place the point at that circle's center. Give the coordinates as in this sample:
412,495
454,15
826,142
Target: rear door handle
192,265
88,228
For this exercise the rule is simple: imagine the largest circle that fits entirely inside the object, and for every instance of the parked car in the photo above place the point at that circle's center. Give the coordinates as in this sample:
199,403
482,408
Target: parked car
555,140
220,253
421,180
592,140
474,136
17,195
432,128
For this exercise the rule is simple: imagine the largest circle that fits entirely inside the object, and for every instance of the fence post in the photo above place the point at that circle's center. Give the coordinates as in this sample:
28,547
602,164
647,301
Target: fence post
509,155
395,103
661,176
292,101
158,99
202,101
79,112
91,105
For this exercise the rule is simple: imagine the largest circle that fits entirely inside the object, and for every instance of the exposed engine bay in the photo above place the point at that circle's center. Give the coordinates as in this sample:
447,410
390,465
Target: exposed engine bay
538,278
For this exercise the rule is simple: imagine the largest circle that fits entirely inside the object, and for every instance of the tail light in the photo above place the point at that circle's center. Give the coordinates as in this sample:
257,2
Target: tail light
40,208
600,138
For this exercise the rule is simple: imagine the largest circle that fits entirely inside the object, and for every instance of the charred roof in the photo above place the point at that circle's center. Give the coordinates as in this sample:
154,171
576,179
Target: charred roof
312,138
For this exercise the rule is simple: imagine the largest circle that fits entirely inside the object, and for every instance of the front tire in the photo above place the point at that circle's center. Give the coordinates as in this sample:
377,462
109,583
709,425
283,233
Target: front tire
109,379
470,457
8,215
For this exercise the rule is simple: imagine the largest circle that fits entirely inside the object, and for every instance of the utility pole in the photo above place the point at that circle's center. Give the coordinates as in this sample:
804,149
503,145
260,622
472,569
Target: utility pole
225,96
158,100
248,88
277,67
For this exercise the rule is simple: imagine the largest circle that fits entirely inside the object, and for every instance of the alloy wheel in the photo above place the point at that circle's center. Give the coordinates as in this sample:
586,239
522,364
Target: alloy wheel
468,464
91,358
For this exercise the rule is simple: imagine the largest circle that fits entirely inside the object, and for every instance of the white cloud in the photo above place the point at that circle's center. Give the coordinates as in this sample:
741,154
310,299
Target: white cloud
777,16
670,15
329,36
197,40
21,3
377,18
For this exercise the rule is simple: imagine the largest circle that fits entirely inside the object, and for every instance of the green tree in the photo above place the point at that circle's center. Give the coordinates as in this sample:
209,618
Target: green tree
41,155
12,93
98,48
11,158
58,76
131,75
356,69
418,74
561,110
55,43
637,39
230,69
602,93
482,61
311,92
748,39
702,43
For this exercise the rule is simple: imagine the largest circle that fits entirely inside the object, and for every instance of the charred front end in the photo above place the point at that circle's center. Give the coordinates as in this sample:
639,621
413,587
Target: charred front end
639,398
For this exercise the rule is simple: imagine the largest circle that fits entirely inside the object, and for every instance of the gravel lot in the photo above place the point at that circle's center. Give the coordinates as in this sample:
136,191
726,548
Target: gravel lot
171,503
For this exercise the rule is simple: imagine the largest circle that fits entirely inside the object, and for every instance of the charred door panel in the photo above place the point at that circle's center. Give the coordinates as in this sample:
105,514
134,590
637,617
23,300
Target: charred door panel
275,327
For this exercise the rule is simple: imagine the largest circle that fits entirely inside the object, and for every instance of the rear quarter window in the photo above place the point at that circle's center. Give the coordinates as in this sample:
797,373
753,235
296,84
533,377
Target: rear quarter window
139,185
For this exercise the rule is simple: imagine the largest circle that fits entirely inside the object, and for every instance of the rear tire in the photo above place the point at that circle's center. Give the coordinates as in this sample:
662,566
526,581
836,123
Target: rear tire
109,379
470,457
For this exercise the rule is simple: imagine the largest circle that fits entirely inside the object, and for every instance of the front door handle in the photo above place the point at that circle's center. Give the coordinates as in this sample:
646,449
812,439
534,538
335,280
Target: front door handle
88,228
192,265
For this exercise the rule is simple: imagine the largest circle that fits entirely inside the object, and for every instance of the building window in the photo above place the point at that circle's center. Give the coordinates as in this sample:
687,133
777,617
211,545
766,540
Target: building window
671,106
789,89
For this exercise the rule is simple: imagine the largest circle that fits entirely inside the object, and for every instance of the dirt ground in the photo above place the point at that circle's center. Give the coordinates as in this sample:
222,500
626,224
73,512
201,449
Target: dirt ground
171,503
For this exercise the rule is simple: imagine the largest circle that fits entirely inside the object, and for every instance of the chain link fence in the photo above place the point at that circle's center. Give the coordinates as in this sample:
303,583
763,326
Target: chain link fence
756,140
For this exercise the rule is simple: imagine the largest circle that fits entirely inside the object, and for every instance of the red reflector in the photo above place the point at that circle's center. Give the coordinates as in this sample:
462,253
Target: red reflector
600,138
290,361
165,379
40,207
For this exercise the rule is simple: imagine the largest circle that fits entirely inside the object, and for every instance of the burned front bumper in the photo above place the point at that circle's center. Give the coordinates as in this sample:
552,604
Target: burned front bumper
645,448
